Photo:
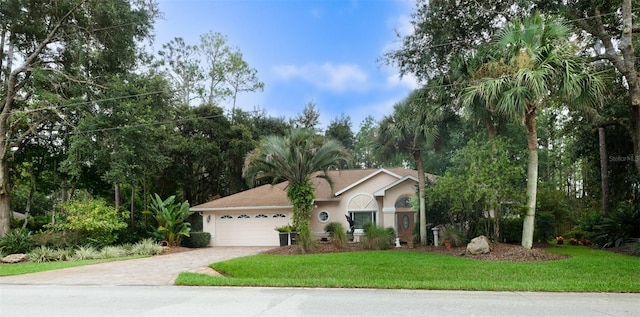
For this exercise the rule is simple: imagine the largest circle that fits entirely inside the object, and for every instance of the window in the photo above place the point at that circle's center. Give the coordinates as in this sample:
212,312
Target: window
361,218
261,216
226,217
279,216
243,217
403,202
323,216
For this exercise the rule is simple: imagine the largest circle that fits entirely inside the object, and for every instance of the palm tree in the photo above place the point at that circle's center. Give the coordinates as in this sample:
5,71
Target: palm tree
410,129
296,158
540,66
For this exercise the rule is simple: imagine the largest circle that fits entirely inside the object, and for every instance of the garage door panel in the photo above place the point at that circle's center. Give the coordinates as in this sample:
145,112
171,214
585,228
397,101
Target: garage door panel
249,229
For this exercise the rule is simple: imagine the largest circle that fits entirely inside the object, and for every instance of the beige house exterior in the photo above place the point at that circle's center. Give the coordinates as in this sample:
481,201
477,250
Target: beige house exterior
379,196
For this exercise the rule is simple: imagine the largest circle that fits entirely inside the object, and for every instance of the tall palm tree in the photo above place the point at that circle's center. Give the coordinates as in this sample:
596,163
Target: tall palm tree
540,66
296,158
410,129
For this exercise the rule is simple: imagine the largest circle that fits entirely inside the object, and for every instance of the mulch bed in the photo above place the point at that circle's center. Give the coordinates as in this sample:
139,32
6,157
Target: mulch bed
499,251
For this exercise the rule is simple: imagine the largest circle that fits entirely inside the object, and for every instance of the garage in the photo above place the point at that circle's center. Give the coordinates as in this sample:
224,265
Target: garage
248,228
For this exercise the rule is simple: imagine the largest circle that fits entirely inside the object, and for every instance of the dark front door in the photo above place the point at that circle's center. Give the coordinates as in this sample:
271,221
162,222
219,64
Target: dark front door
405,220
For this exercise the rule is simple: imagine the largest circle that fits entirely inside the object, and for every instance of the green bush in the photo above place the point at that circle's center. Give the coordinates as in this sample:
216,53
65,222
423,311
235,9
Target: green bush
197,239
85,253
46,254
338,234
146,247
94,222
512,230
16,241
56,239
378,238
621,227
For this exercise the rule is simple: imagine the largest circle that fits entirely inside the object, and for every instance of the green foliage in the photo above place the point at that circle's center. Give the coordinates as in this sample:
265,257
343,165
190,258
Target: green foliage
483,176
171,217
284,229
454,235
45,254
378,238
197,239
338,233
511,230
552,213
146,247
621,227
295,158
92,220
16,241
85,253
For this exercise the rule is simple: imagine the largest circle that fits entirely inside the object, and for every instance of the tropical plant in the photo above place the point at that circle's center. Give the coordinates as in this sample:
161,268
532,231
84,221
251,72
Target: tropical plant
46,254
171,216
622,226
146,247
540,67
16,241
409,130
296,158
453,235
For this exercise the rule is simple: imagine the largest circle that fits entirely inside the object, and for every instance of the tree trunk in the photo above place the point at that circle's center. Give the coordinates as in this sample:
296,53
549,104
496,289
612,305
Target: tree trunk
528,224
133,195
5,202
421,190
604,171
117,196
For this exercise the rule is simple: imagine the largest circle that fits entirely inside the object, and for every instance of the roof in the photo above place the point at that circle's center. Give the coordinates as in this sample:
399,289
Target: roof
275,196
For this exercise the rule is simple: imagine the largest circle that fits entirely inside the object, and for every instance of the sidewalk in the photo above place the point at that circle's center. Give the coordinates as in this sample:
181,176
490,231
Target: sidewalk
155,270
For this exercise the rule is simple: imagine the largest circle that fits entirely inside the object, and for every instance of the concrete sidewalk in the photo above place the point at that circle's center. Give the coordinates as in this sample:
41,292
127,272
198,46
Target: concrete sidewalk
155,270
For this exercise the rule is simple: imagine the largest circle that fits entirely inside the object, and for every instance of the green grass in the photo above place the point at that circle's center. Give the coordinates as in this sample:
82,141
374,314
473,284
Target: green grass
30,267
587,270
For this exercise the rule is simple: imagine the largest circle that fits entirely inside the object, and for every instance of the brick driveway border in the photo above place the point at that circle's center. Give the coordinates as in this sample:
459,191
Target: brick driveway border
155,270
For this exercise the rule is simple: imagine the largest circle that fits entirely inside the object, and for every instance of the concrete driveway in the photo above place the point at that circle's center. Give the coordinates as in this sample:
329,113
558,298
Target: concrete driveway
155,270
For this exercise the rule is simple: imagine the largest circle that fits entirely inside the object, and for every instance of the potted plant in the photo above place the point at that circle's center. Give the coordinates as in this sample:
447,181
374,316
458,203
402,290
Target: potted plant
283,233
452,237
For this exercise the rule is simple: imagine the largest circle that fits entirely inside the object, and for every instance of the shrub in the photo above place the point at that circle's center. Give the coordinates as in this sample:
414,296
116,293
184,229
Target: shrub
110,251
621,227
16,241
197,239
85,253
512,230
46,254
378,238
338,234
92,220
56,239
146,247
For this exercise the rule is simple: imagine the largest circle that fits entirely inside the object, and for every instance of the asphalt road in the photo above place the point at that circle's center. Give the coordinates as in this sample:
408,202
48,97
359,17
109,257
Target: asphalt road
96,301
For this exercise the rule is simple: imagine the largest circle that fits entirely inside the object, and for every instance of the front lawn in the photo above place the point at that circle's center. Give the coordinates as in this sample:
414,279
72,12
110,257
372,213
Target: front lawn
587,270
31,267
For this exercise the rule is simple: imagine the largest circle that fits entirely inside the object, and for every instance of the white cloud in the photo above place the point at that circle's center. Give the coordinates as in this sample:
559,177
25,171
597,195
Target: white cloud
338,78
408,81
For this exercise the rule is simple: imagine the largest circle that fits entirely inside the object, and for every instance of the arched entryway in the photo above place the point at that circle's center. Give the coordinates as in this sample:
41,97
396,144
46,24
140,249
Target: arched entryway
405,218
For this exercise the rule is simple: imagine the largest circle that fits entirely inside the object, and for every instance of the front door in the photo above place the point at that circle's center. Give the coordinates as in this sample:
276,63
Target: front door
406,222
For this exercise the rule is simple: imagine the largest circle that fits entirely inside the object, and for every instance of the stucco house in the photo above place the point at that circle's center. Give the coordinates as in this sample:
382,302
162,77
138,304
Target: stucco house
379,196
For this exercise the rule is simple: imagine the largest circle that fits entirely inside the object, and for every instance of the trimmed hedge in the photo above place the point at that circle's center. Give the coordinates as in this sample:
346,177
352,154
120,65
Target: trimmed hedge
197,239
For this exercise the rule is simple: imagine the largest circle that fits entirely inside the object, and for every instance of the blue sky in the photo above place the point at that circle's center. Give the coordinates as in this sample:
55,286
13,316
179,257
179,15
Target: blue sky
326,51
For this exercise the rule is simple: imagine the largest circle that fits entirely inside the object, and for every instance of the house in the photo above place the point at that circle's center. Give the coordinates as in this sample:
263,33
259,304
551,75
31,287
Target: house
379,196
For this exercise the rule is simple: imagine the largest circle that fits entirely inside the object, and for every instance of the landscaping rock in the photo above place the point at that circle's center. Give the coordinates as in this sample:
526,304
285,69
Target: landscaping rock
479,245
14,258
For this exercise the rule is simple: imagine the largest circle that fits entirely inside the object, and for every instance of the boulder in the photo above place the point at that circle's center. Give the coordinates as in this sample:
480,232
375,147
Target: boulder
479,245
14,258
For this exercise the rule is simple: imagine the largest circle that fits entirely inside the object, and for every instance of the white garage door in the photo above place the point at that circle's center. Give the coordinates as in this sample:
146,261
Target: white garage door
249,229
